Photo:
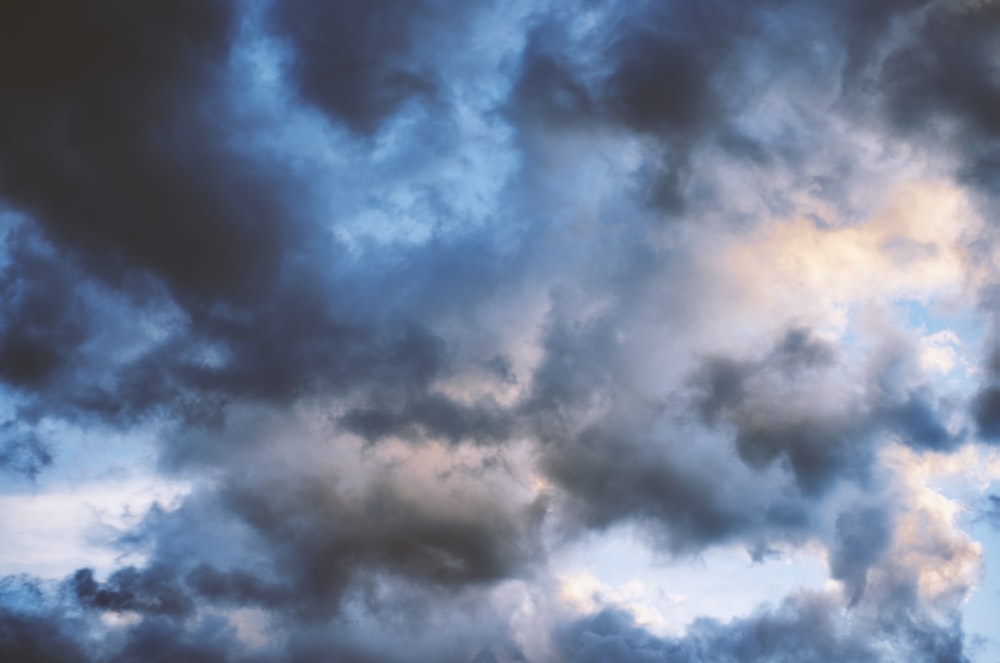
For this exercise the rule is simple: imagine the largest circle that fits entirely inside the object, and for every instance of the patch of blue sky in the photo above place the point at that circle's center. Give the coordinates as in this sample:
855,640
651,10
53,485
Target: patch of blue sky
966,330
723,582
931,316
959,331
979,612
963,329
101,483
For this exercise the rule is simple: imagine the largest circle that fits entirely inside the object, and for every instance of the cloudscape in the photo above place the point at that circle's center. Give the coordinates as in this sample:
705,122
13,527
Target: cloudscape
540,331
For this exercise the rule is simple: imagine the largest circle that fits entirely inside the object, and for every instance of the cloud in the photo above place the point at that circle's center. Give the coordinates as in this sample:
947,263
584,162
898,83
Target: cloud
22,452
414,297
809,627
100,138
35,639
361,61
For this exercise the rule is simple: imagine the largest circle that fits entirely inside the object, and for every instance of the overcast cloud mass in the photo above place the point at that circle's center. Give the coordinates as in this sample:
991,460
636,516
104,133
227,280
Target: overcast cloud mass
363,330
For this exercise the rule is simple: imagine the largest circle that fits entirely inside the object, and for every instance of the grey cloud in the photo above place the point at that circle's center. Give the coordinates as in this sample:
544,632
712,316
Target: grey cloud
627,465
548,88
802,629
99,137
986,409
945,69
146,192
659,71
361,61
237,587
918,421
244,276
862,537
212,640
152,590
98,149
940,86
806,627
635,460
618,475
299,544
818,450
433,416
37,639
992,510
819,445
43,318
22,451
331,538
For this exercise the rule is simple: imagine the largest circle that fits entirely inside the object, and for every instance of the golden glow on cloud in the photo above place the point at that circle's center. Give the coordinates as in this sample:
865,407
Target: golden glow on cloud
929,542
910,248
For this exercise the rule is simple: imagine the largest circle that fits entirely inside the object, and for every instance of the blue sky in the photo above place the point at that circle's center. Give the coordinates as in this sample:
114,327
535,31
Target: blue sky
555,331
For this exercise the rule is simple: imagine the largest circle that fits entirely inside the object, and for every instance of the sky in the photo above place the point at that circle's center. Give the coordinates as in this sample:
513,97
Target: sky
535,331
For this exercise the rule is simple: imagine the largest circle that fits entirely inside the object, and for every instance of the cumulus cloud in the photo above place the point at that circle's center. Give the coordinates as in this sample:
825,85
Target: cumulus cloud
413,297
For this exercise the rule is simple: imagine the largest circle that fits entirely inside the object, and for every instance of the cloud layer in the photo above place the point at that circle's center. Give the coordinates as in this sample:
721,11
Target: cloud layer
415,297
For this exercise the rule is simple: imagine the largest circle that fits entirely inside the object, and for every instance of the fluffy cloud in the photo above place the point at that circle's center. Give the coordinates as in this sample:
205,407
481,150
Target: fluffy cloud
412,298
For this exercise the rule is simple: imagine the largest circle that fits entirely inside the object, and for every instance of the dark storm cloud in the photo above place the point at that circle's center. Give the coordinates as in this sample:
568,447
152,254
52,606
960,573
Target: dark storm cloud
144,198
660,70
279,351
864,25
126,156
986,410
213,640
153,590
130,160
985,406
680,75
549,89
332,539
947,68
29,638
360,61
237,587
300,544
42,320
670,60
57,635
114,143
